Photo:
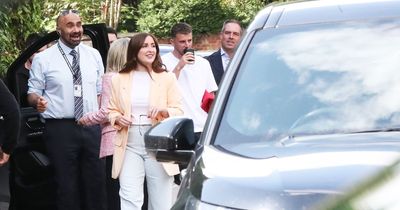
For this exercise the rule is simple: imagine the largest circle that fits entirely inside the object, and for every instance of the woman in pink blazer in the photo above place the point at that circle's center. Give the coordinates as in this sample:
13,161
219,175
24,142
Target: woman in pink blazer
142,94
116,58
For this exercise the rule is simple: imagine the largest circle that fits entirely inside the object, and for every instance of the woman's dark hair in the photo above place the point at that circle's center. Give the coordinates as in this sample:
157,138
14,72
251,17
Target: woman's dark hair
134,46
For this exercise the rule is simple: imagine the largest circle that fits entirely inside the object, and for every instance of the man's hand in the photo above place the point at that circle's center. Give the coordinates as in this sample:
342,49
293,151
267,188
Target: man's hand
188,57
41,104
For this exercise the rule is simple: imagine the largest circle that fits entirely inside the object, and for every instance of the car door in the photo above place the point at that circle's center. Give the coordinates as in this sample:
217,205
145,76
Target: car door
31,178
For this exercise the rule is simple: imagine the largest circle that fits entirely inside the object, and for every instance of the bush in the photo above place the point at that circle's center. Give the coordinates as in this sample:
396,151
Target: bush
17,22
127,21
243,10
205,16
23,17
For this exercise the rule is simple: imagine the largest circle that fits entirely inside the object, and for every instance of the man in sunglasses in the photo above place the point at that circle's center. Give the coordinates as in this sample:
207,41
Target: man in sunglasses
64,84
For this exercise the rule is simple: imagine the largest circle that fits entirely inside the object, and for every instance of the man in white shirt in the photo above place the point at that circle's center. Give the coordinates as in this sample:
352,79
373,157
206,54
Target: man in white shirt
193,73
230,36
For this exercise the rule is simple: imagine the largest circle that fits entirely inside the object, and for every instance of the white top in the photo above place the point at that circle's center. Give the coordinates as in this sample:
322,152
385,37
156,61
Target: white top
140,97
193,80
51,78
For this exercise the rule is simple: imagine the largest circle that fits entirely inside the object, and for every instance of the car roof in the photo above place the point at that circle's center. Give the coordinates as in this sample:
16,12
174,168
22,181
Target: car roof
320,11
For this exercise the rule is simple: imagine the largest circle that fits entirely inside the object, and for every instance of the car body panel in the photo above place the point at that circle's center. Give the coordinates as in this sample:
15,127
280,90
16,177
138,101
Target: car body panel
309,161
297,176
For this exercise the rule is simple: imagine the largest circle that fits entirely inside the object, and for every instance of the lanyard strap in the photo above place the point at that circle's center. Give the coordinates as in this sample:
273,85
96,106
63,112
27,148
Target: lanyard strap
66,59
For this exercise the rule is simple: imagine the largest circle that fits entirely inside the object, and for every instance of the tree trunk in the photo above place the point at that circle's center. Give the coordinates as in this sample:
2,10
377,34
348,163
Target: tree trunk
111,12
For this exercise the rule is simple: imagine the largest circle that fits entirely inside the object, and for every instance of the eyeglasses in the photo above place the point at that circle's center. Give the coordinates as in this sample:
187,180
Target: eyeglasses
68,11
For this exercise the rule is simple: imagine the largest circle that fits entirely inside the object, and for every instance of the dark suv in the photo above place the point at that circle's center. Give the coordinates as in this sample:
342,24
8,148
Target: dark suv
309,107
30,185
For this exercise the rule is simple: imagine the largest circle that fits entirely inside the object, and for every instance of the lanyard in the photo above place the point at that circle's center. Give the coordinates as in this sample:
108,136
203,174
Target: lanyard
67,61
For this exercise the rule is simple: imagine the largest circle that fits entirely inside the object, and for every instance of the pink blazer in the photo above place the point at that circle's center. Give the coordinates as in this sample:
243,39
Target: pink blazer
101,117
164,92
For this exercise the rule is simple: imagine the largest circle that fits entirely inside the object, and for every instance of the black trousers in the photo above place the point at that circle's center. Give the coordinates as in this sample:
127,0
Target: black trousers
79,172
113,199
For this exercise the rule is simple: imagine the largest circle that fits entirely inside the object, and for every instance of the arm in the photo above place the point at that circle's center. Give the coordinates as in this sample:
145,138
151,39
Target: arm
187,58
36,84
100,116
178,68
9,109
93,118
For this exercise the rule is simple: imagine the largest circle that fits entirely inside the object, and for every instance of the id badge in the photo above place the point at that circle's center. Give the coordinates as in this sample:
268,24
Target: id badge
78,90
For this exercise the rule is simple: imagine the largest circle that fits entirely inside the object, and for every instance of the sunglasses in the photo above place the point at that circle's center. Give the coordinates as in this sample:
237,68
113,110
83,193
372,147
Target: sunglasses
68,11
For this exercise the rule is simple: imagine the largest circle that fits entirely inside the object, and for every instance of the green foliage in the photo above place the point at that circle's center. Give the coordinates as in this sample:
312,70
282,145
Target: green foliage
89,10
23,17
205,16
17,22
243,10
127,19
19,18
158,16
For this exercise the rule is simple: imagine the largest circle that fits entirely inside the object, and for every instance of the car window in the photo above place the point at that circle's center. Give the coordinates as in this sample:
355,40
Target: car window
327,78
165,48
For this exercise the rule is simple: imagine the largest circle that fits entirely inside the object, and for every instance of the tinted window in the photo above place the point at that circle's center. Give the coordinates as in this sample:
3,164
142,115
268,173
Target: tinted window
317,79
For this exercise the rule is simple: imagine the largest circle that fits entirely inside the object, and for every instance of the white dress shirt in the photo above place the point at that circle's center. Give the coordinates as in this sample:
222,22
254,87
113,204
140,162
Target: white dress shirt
51,77
225,59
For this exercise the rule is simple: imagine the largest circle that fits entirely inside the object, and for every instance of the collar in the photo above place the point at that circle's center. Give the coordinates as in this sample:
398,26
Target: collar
224,54
67,49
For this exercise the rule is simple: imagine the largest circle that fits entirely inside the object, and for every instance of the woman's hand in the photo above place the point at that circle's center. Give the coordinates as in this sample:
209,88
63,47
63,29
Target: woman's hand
83,121
123,121
156,113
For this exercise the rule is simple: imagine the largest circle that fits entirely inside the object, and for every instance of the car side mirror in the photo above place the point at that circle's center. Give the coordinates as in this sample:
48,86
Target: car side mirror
171,140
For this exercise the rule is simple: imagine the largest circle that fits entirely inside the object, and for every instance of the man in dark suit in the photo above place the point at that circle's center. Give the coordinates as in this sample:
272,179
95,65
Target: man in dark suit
230,37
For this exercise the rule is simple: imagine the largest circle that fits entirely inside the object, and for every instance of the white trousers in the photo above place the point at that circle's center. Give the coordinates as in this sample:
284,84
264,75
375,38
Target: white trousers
138,164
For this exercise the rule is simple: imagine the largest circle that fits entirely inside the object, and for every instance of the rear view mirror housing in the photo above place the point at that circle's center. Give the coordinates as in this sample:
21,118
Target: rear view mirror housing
171,140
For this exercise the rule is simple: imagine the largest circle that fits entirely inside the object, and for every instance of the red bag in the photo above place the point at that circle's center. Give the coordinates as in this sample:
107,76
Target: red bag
207,100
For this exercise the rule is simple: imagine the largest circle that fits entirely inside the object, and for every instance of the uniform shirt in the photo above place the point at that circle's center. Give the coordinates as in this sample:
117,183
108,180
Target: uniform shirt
52,78
193,80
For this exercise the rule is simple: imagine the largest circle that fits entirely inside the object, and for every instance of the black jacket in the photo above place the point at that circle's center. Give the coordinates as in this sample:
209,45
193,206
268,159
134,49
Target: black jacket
216,65
10,122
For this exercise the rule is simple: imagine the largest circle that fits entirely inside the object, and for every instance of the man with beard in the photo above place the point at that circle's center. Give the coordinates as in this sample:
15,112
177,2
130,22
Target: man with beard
64,84
230,37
